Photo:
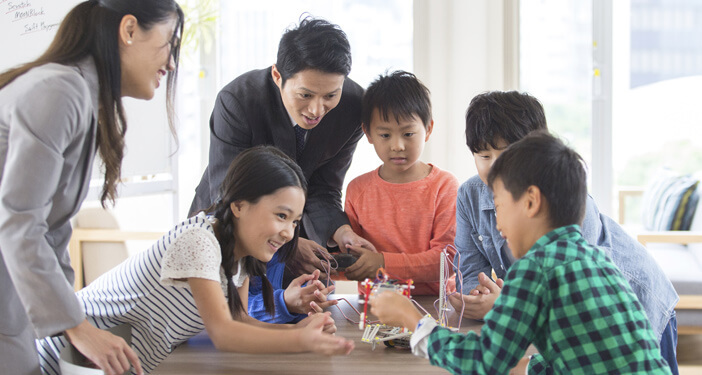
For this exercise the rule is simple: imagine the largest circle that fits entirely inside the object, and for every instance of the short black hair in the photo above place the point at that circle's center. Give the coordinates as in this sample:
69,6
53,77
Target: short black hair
400,94
544,161
314,44
509,115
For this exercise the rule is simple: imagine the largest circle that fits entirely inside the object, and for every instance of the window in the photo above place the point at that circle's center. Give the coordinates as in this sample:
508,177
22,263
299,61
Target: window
656,73
656,89
556,66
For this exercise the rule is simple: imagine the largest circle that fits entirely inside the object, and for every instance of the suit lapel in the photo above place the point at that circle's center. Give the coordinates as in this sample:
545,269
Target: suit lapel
283,134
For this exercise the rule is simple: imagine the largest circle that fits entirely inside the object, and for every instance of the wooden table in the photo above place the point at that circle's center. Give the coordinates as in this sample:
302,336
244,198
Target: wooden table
201,358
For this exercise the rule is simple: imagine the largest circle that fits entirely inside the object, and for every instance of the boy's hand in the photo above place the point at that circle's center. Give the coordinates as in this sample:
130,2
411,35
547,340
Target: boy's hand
486,285
521,368
366,266
479,300
298,298
346,238
394,309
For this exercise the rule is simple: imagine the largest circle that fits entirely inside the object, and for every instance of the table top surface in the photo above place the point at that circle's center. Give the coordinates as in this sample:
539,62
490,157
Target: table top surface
198,356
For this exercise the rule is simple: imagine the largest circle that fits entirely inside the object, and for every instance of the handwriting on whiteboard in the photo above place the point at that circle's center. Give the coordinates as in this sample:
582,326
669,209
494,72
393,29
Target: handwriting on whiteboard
28,17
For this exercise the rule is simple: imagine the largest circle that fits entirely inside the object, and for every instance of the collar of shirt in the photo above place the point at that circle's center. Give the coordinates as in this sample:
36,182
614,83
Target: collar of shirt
87,68
570,232
486,200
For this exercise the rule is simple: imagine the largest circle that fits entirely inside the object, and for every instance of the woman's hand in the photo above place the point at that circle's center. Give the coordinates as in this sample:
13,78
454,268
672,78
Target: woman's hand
111,353
298,298
314,339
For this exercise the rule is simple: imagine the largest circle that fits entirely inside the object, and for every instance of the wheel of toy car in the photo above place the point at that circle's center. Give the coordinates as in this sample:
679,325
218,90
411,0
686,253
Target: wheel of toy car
389,343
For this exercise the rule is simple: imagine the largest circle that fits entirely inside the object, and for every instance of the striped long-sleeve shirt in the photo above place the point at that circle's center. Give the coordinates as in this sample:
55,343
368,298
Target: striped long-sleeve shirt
147,292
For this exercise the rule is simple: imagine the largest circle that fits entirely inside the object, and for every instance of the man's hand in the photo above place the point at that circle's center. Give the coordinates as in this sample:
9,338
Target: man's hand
479,300
367,264
309,262
111,353
298,298
346,238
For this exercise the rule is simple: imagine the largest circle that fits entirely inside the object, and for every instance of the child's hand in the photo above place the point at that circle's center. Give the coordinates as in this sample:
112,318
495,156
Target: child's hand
298,298
480,300
328,328
313,339
366,266
521,367
486,285
394,309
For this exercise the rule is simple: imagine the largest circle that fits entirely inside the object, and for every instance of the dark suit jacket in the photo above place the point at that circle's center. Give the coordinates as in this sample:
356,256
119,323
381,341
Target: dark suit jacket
249,112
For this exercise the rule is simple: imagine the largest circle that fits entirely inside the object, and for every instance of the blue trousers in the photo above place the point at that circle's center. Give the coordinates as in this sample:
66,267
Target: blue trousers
669,344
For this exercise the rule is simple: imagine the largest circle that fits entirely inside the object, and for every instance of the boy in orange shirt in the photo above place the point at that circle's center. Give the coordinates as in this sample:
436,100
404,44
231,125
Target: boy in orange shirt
406,208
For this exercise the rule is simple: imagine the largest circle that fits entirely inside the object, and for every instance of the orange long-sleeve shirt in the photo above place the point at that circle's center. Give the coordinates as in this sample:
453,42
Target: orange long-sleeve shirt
409,223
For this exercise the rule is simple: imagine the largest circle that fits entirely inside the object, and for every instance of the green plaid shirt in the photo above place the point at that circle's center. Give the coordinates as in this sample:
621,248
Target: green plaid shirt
568,299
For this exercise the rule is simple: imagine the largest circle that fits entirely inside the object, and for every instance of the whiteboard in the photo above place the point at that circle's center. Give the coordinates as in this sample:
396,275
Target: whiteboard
27,27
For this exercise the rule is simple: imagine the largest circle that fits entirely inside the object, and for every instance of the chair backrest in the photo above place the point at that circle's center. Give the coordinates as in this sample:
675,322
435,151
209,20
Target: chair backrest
99,257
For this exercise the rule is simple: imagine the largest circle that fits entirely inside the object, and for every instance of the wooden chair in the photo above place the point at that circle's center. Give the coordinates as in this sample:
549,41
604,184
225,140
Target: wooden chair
97,244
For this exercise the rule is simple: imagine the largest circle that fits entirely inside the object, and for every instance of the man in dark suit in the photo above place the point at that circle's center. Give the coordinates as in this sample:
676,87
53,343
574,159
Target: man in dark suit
306,106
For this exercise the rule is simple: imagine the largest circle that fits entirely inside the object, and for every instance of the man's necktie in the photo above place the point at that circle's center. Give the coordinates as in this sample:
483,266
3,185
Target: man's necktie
299,140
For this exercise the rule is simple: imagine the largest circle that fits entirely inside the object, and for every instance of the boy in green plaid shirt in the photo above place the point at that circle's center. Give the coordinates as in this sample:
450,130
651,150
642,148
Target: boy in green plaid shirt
563,295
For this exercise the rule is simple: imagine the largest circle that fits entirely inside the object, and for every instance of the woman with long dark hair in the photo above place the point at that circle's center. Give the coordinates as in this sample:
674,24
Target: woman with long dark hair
56,113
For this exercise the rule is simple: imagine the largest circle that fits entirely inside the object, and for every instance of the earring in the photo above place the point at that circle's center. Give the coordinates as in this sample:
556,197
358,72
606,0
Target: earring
129,42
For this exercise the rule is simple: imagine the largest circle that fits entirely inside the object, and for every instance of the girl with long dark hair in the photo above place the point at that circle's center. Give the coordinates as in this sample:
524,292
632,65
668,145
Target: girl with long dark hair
197,276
